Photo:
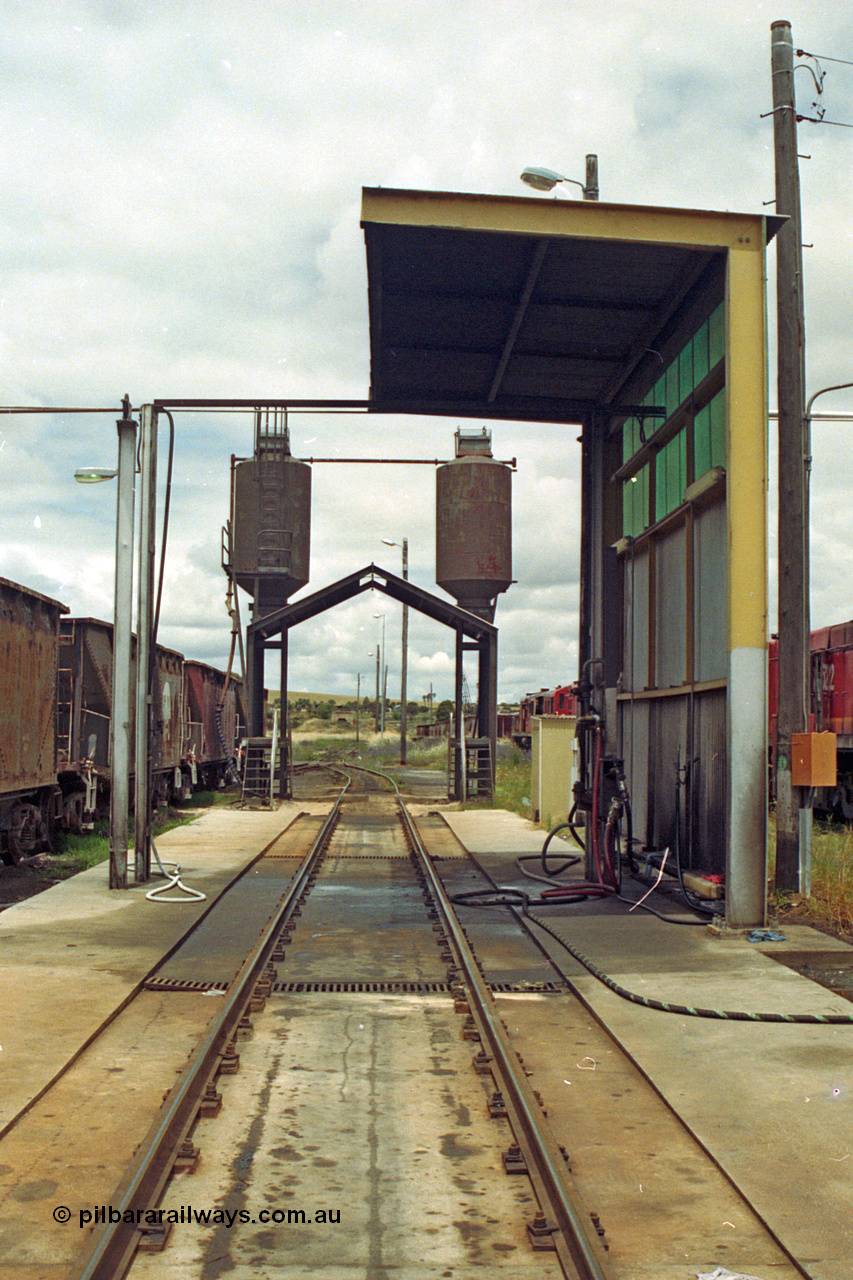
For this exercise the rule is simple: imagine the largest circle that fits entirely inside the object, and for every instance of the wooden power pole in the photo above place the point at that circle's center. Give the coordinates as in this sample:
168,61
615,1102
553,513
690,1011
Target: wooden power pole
793,515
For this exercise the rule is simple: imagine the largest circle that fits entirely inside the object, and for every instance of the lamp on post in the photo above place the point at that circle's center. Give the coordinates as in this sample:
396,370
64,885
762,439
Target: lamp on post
542,179
384,673
403,692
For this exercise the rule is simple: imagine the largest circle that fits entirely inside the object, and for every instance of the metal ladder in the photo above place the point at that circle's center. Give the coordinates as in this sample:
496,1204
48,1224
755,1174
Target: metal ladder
479,767
272,444
256,769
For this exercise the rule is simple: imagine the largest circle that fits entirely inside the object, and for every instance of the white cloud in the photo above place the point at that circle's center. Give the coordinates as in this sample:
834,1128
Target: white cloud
180,217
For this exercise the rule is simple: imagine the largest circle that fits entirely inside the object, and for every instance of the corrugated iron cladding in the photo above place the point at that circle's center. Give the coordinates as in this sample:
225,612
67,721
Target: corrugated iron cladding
29,645
473,533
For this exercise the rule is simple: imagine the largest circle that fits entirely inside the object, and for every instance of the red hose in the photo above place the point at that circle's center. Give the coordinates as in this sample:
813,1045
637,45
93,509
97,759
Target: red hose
596,776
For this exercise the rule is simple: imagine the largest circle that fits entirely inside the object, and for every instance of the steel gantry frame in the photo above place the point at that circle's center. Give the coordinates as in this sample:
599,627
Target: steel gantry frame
472,634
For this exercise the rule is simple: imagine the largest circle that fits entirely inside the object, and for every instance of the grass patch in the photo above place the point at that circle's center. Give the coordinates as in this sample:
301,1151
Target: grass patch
318,747
75,853
372,750
512,781
830,905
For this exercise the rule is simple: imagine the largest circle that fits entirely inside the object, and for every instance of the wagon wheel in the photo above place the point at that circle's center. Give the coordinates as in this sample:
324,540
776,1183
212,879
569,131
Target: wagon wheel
73,811
26,832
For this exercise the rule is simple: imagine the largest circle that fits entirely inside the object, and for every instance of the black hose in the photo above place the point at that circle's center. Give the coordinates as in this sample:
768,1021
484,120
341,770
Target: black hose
570,862
516,898
690,1011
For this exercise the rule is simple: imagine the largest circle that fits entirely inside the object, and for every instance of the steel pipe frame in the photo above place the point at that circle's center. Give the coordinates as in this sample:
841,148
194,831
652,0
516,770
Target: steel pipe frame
144,648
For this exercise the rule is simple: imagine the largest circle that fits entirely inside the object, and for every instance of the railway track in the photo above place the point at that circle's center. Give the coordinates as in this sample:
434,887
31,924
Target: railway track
372,995
381,1121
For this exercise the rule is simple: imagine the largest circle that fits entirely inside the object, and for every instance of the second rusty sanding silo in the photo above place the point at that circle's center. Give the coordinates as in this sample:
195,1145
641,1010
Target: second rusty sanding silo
473,528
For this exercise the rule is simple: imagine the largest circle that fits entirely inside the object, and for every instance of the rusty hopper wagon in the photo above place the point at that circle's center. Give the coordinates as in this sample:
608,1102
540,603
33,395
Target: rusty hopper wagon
215,722
195,724
29,648
84,697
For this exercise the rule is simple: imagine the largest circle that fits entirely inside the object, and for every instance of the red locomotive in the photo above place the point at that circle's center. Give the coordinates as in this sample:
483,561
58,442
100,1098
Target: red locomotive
831,708
562,701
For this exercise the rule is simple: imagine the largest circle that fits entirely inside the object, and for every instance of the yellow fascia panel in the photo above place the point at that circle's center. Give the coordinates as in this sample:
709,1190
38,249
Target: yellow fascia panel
746,443
526,215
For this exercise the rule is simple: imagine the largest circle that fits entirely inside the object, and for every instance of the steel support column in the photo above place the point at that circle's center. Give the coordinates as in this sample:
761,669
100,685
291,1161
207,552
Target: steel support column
459,721
284,788
487,701
144,647
255,683
120,722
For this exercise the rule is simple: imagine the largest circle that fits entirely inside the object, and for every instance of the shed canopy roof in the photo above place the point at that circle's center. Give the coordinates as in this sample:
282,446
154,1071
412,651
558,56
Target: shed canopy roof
525,308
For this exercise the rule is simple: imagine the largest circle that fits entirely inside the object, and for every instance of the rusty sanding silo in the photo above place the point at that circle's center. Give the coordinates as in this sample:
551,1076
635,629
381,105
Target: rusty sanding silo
271,533
473,530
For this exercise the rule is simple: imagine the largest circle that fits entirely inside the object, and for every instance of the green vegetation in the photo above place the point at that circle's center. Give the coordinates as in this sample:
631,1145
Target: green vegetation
74,853
512,780
371,751
305,708
830,906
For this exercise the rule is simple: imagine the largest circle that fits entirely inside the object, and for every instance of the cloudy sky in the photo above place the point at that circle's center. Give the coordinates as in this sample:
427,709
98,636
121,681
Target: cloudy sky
179,217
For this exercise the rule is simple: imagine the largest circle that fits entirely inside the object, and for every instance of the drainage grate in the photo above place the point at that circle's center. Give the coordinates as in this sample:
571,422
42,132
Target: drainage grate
369,857
534,988
182,984
409,988
349,988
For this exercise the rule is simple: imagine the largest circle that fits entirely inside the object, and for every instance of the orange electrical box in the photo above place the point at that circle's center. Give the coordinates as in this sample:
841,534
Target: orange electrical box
813,759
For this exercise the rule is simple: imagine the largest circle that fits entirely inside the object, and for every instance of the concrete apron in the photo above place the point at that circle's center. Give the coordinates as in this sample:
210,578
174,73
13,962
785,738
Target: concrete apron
74,955
770,1102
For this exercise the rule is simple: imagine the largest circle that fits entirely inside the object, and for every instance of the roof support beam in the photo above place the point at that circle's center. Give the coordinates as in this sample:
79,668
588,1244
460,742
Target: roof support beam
541,248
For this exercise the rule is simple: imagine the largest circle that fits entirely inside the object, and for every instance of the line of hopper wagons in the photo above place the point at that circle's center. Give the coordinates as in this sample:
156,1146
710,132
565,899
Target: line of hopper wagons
55,709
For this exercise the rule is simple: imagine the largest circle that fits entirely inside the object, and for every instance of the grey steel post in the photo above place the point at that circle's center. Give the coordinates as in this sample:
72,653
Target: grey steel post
793,529
384,678
357,707
144,655
120,722
459,760
403,690
378,660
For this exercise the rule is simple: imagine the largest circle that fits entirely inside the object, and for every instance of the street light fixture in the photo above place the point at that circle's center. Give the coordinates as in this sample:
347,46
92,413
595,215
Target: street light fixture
94,475
404,545
542,179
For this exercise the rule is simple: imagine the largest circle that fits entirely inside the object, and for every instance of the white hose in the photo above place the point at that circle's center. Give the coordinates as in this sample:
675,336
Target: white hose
174,880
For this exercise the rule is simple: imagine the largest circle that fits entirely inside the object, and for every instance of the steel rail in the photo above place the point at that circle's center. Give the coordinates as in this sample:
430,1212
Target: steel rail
574,1241
575,1236
109,1256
